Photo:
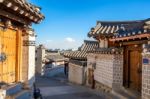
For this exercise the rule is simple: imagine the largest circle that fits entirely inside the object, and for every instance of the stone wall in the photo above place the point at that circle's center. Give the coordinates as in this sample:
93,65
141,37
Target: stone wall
117,70
108,70
28,64
40,57
76,74
146,76
90,60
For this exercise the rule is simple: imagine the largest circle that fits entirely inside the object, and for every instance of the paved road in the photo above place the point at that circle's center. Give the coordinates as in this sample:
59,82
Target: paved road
59,88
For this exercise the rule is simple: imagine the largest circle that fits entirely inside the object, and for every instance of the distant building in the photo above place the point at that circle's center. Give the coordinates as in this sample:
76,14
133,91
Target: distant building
40,59
121,63
54,58
78,61
17,48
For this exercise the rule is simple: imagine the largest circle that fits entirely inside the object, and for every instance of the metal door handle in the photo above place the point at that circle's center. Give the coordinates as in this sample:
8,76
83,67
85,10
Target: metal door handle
139,70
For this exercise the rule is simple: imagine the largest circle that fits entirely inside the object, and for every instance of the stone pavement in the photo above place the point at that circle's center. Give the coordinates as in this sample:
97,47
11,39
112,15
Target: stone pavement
57,88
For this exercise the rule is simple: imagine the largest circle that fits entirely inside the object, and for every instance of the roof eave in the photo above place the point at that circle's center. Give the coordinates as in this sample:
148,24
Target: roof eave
32,16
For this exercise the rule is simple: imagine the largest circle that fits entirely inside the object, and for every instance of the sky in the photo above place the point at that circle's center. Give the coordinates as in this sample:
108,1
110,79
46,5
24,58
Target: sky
67,22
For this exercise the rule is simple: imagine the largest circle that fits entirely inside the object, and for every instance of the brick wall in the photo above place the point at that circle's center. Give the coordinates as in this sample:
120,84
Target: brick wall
146,76
76,73
109,69
117,70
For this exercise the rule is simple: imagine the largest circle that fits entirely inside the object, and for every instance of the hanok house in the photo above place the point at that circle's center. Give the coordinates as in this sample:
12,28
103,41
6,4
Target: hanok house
54,64
54,59
78,62
117,63
17,48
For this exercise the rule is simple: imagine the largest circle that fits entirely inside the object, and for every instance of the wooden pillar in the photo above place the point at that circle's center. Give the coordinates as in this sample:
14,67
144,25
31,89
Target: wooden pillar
19,56
104,43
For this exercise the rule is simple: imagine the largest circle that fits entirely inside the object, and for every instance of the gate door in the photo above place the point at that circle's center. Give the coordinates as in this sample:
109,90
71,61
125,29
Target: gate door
8,55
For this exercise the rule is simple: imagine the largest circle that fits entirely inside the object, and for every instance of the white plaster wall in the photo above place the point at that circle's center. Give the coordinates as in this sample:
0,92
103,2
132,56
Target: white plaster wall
2,94
31,60
76,73
31,68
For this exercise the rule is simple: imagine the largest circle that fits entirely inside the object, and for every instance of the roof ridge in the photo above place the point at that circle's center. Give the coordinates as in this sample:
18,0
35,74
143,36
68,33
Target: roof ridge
91,41
125,21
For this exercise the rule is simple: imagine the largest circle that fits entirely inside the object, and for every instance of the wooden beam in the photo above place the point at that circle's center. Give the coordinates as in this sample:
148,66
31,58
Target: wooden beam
130,37
134,42
13,17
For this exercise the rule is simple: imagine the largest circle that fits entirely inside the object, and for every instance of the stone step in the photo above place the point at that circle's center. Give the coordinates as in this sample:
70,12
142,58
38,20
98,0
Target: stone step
135,94
24,94
125,94
12,89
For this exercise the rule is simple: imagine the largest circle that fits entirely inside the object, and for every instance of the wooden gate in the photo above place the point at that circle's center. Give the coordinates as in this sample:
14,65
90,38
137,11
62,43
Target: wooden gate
9,52
133,67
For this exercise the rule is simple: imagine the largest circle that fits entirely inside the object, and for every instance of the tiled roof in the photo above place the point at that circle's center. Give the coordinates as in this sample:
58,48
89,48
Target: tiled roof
76,54
119,28
82,52
89,45
24,8
55,58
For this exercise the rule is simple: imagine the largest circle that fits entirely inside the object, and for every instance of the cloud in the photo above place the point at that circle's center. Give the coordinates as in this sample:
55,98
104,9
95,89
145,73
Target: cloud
69,39
64,43
49,41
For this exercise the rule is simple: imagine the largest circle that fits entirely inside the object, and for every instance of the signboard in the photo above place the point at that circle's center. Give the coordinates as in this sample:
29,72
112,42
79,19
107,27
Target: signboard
145,61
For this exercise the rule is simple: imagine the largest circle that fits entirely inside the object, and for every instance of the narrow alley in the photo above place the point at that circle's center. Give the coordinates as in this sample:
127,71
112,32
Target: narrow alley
81,49
59,88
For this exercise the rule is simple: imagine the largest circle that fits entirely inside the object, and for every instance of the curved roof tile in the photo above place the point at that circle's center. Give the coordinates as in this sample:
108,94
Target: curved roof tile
82,53
119,28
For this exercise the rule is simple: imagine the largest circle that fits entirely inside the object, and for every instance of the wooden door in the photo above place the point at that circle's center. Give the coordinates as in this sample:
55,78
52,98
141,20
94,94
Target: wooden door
8,50
133,67
135,70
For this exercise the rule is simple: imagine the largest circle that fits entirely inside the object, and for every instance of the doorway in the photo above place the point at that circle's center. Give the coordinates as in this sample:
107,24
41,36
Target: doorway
133,68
